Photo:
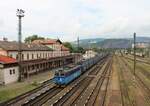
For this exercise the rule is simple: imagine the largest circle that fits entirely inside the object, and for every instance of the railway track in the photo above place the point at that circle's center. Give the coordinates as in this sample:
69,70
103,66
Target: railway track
71,94
41,99
144,87
123,87
50,94
138,78
142,70
45,92
69,99
139,60
98,65
23,97
101,87
77,94
138,82
120,85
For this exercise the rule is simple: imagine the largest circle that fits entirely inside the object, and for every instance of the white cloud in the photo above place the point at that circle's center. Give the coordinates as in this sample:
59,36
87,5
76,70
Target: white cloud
68,19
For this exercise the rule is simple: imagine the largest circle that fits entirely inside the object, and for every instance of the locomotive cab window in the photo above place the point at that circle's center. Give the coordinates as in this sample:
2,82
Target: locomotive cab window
56,73
62,74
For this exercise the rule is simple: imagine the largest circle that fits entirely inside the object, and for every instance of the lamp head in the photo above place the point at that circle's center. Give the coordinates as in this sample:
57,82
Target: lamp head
20,13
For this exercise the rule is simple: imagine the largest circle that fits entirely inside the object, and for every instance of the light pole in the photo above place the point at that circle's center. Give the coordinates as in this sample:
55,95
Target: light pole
20,14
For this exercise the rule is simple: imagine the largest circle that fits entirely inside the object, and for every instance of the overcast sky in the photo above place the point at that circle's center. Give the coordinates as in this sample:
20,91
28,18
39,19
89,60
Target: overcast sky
67,19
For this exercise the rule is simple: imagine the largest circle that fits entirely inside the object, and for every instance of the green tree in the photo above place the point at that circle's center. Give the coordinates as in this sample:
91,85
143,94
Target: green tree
68,45
32,38
73,49
79,50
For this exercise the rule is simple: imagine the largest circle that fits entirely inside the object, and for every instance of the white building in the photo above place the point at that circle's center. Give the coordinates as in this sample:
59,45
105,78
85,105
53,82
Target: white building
29,51
141,45
89,54
8,70
56,45
36,57
39,49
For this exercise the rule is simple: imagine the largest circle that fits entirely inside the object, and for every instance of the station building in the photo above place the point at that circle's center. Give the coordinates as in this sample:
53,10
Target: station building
38,56
56,45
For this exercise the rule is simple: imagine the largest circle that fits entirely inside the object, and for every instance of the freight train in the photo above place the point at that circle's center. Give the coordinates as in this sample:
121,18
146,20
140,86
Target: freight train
68,73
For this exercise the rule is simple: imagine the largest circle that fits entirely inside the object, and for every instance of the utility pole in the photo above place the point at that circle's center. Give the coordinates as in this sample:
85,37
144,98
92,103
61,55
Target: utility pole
78,49
78,43
89,49
20,14
134,52
63,60
149,49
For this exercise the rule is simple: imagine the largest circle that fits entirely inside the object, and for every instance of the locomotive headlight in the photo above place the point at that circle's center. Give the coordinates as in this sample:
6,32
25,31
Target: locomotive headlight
60,79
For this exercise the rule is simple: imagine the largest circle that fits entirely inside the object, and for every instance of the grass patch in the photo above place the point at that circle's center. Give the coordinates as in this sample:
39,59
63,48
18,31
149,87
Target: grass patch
7,94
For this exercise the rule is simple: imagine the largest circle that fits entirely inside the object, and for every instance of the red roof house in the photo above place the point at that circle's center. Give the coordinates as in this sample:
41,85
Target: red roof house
7,60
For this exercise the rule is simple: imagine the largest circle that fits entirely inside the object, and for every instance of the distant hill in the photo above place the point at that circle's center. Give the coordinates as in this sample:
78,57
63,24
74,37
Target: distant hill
110,43
115,43
143,39
85,42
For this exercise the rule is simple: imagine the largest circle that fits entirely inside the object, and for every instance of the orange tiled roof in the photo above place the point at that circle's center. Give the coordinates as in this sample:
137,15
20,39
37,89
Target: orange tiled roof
46,41
6,59
13,46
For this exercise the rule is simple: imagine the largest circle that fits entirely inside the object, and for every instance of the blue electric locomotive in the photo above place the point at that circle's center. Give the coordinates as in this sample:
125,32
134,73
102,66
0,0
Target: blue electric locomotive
69,73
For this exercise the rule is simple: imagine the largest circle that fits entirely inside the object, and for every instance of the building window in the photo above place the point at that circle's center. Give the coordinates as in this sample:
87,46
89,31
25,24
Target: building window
40,55
13,71
32,56
22,57
17,56
27,56
37,56
10,55
32,67
43,55
37,66
10,71
46,55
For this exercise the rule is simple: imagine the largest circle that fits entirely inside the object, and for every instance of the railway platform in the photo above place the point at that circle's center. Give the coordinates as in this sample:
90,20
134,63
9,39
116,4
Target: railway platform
17,88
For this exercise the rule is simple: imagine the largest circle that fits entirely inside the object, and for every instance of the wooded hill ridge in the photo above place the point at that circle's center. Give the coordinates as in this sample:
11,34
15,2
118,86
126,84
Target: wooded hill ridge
109,43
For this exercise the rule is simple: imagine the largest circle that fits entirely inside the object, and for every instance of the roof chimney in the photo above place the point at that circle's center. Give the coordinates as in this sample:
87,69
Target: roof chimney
5,39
